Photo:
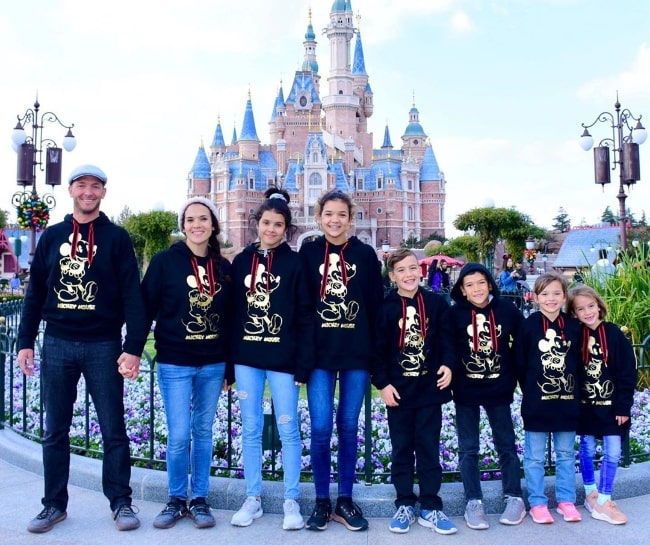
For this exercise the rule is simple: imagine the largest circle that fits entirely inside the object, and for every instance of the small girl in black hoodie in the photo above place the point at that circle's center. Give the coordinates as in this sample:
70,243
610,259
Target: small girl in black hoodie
548,360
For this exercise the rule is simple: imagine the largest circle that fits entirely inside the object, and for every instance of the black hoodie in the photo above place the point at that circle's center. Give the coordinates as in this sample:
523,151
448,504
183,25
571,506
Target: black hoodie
345,292
548,360
609,378
82,294
482,341
410,350
191,303
272,322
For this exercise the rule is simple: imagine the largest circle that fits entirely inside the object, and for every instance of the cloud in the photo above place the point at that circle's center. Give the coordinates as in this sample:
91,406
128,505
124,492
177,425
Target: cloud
461,23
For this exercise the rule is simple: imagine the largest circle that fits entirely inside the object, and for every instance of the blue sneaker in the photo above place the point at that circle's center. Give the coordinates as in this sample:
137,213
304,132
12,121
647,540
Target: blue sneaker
402,520
437,521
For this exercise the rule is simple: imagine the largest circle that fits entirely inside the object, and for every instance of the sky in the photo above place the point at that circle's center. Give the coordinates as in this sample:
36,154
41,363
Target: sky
502,87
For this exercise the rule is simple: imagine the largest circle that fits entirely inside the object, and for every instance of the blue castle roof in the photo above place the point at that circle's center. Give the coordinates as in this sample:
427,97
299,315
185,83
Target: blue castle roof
218,140
359,64
201,166
248,131
430,170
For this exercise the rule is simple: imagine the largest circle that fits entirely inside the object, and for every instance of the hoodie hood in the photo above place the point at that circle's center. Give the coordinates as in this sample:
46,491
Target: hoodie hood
469,268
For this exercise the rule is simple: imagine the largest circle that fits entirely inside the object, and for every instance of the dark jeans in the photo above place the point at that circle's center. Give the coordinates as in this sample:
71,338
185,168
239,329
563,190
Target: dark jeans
415,437
503,435
63,363
320,395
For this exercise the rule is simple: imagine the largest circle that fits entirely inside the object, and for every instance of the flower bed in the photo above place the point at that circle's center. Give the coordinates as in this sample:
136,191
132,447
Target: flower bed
140,430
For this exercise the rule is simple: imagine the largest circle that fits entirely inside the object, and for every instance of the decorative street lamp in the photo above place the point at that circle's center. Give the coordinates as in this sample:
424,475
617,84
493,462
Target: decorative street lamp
35,152
626,155
17,243
544,260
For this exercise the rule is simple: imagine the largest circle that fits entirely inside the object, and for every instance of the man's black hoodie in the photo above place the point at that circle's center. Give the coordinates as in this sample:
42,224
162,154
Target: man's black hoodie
87,290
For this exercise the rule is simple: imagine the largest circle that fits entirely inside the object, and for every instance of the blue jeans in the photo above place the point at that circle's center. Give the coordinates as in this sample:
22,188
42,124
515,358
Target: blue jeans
503,435
608,465
565,474
320,395
284,392
62,365
190,395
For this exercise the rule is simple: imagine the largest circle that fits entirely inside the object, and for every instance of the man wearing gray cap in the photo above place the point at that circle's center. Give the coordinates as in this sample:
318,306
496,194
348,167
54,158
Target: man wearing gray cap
84,284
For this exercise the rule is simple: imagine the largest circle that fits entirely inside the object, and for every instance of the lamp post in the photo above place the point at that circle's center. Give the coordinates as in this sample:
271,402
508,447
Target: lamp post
17,243
544,260
626,155
36,152
530,246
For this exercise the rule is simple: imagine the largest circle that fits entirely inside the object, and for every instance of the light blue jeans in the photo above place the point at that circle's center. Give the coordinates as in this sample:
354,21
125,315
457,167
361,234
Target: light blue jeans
608,465
320,394
565,474
190,395
284,392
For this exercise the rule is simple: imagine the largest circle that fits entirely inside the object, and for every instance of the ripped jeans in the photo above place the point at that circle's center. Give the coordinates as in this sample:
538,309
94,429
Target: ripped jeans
284,392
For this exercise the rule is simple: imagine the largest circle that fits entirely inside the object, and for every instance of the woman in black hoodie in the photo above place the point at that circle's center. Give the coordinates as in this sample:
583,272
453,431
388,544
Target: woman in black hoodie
187,290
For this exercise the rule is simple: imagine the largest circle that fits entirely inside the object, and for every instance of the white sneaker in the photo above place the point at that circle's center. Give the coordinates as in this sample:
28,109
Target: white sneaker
250,510
292,518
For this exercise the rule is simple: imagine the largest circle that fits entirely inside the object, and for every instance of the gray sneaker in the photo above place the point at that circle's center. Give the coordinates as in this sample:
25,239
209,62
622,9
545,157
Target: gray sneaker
200,514
514,512
46,519
125,518
174,511
475,515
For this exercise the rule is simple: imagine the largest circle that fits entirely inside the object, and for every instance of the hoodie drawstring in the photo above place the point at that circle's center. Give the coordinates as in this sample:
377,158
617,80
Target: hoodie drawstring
421,314
199,280
326,266
494,338
91,241
254,264
560,323
602,340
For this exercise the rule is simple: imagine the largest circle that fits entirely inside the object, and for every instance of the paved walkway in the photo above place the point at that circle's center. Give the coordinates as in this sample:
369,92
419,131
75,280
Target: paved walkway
89,521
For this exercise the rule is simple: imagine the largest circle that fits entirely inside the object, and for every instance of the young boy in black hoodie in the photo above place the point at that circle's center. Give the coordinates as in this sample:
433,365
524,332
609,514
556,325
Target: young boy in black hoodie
414,377
483,329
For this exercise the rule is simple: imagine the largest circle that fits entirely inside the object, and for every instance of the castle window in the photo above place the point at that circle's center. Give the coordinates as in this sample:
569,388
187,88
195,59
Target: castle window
409,213
359,216
379,211
409,185
220,185
360,183
380,183
251,183
391,181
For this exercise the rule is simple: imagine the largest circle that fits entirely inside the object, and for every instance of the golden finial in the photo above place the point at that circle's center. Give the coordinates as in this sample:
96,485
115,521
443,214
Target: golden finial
358,20
309,15
414,98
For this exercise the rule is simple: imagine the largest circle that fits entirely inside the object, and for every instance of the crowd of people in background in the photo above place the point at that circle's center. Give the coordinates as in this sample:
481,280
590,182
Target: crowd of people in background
318,318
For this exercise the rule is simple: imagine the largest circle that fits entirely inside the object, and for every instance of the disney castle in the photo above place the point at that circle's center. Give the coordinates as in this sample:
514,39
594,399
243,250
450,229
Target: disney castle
319,140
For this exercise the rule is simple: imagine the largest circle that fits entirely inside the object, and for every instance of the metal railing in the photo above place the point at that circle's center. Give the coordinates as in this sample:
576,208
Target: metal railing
19,415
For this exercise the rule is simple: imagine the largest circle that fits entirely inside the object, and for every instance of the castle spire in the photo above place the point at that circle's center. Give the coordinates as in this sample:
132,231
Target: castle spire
248,131
218,140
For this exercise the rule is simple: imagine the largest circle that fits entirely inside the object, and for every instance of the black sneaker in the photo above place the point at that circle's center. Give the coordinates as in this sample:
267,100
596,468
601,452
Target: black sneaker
349,515
320,515
125,518
200,514
175,510
46,519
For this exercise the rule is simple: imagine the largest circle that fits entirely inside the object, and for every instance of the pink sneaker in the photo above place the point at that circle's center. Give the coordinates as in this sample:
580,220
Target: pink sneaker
541,515
590,501
569,511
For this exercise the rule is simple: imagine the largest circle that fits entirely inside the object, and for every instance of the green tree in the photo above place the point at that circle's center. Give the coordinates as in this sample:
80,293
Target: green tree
124,215
150,232
643,222
490,225
608,216
561,222
464,245
4,219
